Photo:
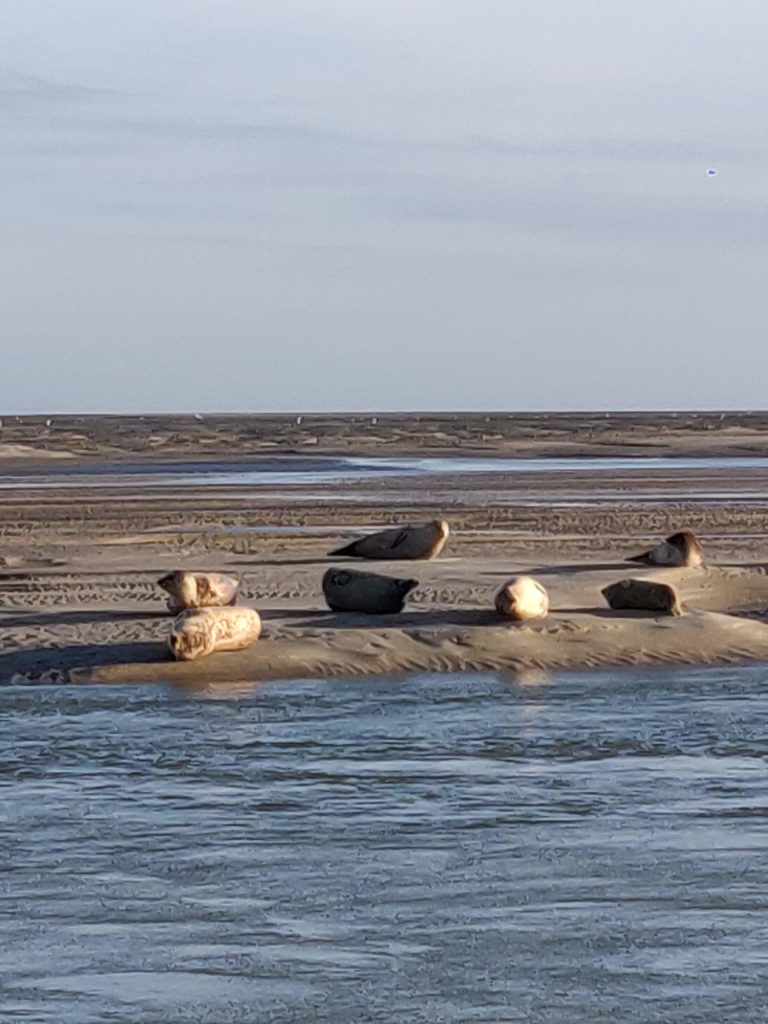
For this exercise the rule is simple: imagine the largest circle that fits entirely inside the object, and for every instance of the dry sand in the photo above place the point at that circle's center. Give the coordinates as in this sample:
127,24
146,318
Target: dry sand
78,599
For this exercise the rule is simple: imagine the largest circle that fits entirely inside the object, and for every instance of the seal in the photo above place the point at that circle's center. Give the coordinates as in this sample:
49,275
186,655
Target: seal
522,598
643,595
199,632
198,590
422,541
347,590
681,550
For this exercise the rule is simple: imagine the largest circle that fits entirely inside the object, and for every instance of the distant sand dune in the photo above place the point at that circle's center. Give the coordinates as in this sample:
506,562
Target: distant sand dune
27,451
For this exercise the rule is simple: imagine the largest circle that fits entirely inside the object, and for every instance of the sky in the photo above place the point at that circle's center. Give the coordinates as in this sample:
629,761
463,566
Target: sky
277,205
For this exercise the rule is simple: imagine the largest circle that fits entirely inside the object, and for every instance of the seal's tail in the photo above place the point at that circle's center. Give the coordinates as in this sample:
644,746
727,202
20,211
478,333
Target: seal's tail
643,559
348,549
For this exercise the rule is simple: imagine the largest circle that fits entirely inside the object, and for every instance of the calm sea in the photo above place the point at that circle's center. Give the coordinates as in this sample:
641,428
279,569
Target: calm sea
579,848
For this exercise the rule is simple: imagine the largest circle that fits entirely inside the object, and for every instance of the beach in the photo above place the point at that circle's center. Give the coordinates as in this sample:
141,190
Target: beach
88,528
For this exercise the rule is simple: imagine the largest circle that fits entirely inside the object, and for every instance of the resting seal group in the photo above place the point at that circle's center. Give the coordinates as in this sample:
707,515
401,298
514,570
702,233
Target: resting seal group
211,621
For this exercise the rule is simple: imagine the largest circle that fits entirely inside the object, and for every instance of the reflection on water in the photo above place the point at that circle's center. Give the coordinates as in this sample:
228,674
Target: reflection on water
586,847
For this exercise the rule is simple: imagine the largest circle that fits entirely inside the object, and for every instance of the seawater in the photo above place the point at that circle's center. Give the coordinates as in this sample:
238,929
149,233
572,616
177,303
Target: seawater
578,848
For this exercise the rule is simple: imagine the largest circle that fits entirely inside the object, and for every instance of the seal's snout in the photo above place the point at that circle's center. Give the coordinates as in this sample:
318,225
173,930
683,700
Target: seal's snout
166,582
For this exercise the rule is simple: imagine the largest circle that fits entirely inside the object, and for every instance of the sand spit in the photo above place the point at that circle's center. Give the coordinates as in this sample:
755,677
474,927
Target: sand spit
451,626
79,567
466,645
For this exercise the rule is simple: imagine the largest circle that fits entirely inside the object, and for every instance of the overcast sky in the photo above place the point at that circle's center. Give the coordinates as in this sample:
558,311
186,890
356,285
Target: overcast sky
251,205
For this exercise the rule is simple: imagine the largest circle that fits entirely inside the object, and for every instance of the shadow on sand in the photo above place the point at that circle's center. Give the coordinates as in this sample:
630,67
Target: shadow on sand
568,569
81,617
44,660
447,617
280,562
616,613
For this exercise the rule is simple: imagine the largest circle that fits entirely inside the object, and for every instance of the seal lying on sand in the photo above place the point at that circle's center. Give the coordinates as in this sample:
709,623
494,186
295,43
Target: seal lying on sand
424,541
201,631
347,590
680,550
522,598
643,595
198,590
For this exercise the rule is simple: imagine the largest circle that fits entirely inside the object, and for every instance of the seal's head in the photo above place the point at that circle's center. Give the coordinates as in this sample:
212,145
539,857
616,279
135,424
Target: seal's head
691,552
176,645
442,527
190,637
182,590
440,531
171,582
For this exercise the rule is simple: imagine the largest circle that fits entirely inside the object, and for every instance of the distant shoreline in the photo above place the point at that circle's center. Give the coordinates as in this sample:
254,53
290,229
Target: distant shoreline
228,438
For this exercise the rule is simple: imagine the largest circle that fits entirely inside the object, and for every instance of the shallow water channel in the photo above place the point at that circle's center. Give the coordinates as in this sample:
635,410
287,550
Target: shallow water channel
583,847
319,470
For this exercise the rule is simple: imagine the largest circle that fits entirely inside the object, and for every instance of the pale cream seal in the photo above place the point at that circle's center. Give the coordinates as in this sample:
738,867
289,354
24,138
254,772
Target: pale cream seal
198,590
202,631
522,598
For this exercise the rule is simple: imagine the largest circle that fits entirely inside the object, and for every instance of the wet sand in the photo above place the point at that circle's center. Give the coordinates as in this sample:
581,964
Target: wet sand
78,566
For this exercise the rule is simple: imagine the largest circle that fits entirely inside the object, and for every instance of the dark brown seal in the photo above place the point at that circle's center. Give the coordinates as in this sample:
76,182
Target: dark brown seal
407,542
347,590
681,550
643,595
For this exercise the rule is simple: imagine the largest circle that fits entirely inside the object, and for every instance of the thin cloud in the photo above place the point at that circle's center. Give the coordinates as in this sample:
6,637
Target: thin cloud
21,90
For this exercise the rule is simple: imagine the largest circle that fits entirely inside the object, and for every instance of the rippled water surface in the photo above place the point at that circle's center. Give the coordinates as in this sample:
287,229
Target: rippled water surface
588,847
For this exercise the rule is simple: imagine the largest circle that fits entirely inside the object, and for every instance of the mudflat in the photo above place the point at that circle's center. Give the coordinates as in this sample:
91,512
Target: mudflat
233,437
94,510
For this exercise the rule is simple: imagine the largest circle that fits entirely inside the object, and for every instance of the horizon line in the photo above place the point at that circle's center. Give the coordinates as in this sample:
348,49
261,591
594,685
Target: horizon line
376,413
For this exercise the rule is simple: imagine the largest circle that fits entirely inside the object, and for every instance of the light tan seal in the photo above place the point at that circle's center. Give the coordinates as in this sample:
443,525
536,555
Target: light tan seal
199,632
522,598
408,542
681,550
198,590
643,595
347,590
